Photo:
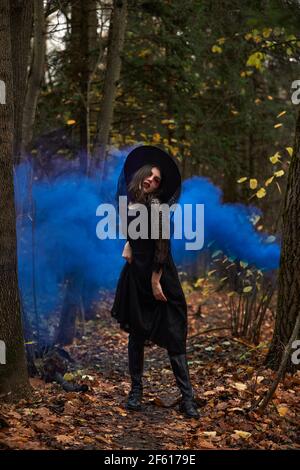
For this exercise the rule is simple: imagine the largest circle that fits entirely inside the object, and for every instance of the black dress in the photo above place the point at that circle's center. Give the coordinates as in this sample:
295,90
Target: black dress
135,307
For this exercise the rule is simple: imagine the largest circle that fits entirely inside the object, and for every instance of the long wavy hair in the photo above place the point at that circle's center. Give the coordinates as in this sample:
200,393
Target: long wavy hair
135,188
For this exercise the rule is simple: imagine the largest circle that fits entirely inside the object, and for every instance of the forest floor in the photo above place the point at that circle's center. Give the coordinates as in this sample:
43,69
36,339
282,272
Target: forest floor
227,375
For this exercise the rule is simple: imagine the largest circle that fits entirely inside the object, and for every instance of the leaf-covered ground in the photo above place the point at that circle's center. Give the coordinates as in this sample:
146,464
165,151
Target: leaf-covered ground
227,375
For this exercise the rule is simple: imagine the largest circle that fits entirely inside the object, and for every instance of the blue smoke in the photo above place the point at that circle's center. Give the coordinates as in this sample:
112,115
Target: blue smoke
56,230
227,227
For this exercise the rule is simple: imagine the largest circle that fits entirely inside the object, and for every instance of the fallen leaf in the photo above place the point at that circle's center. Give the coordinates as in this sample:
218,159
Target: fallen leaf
209,433
63,439
282,410
239,386
204,444
242,434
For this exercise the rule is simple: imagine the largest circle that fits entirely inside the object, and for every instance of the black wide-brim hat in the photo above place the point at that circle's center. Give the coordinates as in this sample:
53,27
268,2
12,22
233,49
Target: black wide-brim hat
150,154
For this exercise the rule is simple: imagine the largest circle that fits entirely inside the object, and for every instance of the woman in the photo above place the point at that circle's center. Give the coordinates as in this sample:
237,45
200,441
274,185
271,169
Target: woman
149,303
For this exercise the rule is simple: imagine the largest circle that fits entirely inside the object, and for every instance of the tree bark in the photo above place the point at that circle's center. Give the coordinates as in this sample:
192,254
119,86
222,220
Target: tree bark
82,51
282,368
36,74
83,46
72,309
112,75
21,15
288,304
13,375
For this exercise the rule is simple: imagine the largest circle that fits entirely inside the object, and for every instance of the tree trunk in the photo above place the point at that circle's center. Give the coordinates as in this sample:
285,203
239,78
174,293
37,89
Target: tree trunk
72,309
13,375
112,75
36,74
288,304
21,14
82,51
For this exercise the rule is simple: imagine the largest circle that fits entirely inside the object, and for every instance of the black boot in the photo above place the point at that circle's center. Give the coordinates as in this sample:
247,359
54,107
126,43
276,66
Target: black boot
180,368
136,367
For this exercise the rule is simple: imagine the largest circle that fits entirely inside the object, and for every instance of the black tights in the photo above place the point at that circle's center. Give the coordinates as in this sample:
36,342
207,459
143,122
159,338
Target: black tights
136,345
178,363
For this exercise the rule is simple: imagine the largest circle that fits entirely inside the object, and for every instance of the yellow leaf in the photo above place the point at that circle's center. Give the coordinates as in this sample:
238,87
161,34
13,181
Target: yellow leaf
144,53
257,38
279,124
221,41
279,173
269,181
68,376
209,392
275,158
253,183
239,386
71,121
281,114
247,289
230,294
156,137
210,433
261,193
241,180
266,32
216,49
255,60
242,434
199,282
167,121
289,150
211,272
282,410
259,379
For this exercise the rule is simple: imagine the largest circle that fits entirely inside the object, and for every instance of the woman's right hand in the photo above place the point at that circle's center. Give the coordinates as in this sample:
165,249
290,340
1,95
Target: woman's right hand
127,252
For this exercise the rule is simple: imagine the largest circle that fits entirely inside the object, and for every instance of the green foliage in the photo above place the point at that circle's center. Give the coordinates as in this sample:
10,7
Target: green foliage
208,80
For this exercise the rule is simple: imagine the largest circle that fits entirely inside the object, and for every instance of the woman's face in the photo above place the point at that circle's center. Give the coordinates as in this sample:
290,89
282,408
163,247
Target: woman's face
152,182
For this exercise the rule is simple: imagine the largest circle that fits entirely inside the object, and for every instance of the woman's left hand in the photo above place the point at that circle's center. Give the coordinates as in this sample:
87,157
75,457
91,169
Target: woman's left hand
158,292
